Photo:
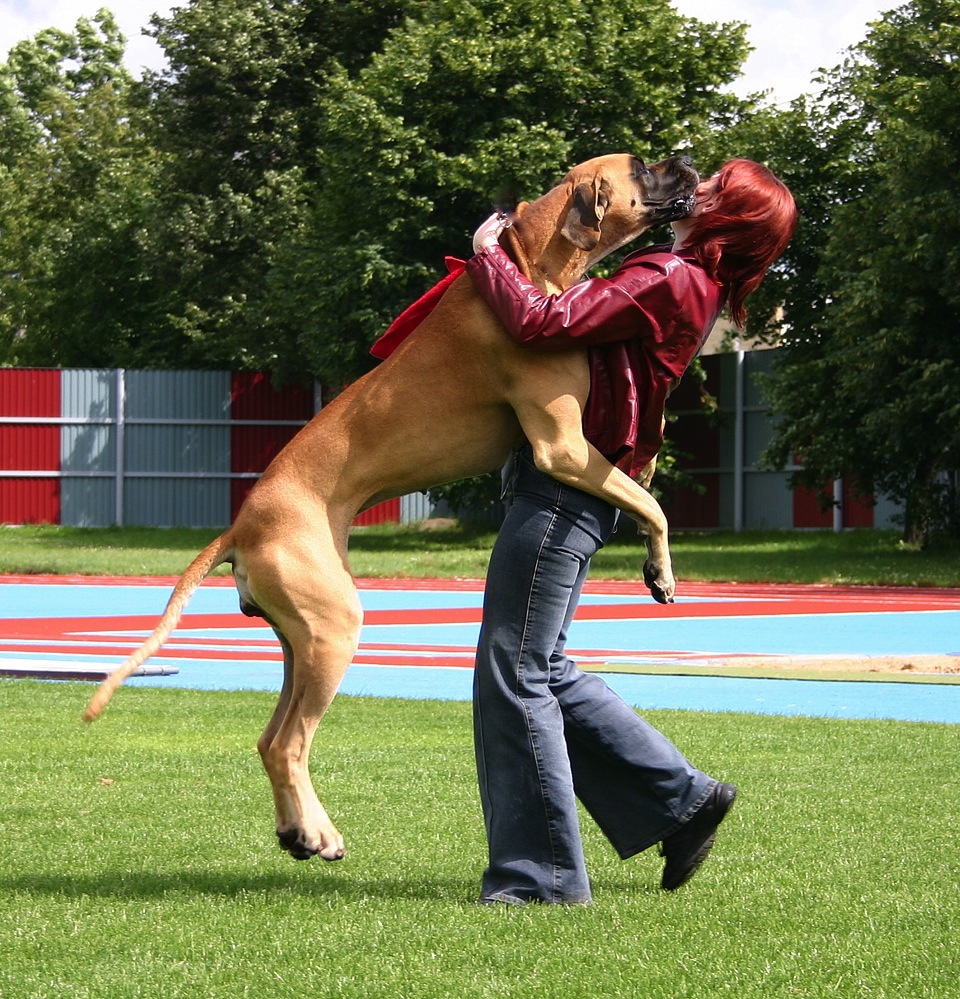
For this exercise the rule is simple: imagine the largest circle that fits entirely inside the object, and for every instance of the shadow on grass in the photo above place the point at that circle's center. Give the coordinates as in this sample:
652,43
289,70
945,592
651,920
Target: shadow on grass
241,883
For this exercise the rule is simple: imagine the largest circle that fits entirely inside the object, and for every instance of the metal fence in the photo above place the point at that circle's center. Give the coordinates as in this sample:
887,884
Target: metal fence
721,449
164,448
182,448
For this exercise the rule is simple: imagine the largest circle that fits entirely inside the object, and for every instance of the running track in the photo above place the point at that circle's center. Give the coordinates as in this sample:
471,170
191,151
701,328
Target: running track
419,636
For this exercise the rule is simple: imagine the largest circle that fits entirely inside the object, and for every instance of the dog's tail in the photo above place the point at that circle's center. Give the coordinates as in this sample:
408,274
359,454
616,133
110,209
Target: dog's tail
214,554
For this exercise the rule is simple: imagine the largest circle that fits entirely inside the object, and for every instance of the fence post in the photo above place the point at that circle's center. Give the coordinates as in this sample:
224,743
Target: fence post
837,505
119,462
739,429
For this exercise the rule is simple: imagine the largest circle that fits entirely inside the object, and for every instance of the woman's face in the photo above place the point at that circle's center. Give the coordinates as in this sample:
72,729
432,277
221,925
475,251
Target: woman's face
706,192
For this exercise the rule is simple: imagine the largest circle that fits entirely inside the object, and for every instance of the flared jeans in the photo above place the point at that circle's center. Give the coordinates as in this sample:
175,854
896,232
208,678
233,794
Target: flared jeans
547,733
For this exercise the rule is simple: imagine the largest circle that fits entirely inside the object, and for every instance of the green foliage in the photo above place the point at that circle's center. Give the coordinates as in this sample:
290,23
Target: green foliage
871,387
74,169
295,177
466,103
237,116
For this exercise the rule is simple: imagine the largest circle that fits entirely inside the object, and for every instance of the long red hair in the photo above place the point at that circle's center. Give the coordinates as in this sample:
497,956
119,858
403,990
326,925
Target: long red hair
747,223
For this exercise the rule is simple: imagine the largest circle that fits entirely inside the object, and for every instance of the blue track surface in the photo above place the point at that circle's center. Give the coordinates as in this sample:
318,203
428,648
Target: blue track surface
436,626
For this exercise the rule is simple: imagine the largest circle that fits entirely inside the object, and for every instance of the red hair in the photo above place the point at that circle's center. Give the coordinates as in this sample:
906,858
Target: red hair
745,225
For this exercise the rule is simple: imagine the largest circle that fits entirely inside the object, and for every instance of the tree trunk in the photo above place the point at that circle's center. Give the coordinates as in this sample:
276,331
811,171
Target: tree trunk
918,506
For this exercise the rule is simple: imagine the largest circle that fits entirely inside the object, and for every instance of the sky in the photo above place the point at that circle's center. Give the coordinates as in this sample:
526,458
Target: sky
792,39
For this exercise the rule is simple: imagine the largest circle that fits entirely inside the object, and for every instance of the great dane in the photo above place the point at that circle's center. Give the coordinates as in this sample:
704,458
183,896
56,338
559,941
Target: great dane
453,400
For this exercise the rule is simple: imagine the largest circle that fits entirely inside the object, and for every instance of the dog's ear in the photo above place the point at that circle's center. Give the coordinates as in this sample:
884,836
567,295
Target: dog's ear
582,225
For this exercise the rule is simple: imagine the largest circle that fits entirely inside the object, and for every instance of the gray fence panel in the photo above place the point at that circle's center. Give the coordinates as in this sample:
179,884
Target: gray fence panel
178,395
887,513
767,502
201,502
757,434
756,362
195,456
415,507
173,449
88,450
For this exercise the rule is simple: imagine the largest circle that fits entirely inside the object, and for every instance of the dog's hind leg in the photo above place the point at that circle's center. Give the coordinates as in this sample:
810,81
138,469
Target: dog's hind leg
316,613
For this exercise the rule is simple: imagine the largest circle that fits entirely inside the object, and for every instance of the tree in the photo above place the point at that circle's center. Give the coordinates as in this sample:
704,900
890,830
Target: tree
74,178
870,384
237,119
295,177
466,101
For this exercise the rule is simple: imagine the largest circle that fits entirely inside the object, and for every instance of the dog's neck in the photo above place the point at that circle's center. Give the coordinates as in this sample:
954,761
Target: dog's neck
536,244
537,247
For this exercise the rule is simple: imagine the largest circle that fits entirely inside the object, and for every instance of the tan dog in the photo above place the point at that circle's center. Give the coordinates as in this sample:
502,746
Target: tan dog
452,401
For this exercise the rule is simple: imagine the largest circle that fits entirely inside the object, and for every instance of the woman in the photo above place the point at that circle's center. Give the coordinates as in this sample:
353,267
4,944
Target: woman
545,732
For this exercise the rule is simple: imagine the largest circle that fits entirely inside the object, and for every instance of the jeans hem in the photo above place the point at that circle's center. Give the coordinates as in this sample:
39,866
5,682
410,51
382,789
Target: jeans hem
505,898
626,853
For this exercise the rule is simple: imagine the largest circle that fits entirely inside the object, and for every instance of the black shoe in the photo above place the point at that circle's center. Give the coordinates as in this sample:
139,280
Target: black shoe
687,848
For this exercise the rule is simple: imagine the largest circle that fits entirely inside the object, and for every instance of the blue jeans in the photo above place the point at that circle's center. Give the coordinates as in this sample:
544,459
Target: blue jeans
546,733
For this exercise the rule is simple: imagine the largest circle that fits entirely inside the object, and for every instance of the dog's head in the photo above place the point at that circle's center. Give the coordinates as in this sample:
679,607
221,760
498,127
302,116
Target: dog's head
598,207
613,199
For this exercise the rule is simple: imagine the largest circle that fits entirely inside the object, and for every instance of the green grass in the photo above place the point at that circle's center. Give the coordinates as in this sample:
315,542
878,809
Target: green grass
866,557
139,860
96,551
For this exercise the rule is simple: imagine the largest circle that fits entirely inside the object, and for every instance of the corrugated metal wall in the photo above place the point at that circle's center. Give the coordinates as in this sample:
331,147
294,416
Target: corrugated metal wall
254,445
766,496
29,445
92,448
177,448
721,452
182,448
88,447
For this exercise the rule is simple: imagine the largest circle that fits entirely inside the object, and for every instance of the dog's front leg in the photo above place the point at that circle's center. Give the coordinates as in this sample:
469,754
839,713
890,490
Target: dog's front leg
579,464
552,422
658,568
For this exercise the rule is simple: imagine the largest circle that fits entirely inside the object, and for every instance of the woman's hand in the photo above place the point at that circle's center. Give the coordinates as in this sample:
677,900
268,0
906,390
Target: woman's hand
488,235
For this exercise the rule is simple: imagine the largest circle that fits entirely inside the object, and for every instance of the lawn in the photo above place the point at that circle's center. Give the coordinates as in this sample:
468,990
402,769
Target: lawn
139,860
139,857
867,557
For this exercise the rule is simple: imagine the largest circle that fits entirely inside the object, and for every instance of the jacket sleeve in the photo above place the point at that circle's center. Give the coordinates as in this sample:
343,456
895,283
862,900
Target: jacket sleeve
597,311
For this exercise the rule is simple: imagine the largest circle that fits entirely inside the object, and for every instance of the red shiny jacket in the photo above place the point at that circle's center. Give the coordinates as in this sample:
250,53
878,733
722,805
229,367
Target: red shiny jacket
642,327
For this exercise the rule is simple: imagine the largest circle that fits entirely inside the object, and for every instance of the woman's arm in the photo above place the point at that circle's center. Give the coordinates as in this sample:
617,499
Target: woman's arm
634,302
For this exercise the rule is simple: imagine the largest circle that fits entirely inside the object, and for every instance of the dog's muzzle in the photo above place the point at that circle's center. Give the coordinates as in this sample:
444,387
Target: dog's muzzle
673,194
677,208
684,206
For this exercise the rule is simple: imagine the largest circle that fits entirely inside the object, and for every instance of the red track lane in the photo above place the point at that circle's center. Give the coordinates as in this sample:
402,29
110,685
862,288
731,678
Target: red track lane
117,635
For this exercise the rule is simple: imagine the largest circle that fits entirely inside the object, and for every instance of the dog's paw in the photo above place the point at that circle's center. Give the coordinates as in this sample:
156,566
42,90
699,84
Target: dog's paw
295,842
660,583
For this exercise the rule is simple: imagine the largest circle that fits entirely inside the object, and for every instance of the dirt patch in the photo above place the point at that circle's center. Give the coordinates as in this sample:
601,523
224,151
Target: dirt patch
843,664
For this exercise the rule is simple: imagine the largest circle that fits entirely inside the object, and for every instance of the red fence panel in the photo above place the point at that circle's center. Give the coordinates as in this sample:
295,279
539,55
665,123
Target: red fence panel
387,512
252,448
24,446
856,510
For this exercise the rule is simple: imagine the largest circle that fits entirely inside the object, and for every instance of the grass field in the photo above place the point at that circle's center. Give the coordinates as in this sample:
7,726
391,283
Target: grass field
139,860
869,557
